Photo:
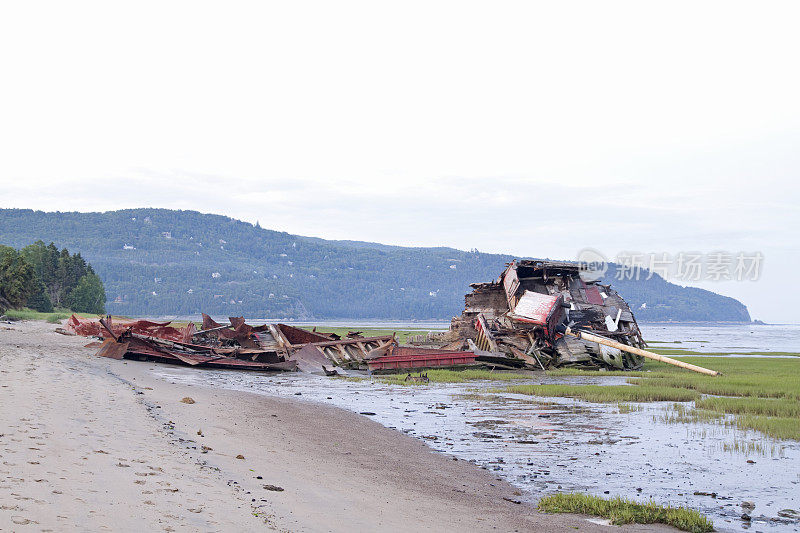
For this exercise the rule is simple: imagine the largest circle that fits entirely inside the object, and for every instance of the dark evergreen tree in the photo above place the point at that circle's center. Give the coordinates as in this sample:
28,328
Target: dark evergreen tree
39,300
17,279
88,296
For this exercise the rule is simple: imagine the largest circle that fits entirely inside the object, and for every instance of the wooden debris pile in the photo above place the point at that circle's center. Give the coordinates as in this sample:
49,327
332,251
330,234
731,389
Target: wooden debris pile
518,320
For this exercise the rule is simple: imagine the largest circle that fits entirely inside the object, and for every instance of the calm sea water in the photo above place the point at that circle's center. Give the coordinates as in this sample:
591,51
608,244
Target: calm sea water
733,338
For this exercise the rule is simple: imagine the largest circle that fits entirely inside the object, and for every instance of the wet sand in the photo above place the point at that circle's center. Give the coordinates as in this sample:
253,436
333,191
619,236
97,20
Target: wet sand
88,443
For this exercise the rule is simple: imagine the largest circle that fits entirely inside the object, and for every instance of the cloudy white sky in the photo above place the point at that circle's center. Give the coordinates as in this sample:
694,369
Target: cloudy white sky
525,128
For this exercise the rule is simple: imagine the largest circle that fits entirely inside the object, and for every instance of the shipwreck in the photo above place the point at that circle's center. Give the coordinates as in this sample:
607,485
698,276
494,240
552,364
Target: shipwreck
517,317
542,313
537,315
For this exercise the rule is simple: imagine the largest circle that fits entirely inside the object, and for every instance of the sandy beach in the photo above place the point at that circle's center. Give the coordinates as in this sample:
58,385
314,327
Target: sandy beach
92,444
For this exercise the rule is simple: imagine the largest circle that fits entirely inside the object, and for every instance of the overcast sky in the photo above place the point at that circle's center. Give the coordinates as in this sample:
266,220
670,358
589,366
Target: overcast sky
528,128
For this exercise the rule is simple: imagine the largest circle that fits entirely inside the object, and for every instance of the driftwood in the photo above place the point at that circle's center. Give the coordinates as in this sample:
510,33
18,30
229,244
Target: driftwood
638,351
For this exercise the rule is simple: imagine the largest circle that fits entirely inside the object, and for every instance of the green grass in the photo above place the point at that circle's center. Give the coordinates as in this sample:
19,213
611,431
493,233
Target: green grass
403,335
758,393
54,318
607,394
456,376
780,407
557,372
778,427
684,414
741,376
623,511
625,408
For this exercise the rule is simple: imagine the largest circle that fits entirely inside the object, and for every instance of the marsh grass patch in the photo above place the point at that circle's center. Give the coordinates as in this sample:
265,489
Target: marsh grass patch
624,511
608,394
758,393
454,376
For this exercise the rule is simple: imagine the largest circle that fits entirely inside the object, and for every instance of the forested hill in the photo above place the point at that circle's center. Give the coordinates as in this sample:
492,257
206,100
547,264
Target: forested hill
165,262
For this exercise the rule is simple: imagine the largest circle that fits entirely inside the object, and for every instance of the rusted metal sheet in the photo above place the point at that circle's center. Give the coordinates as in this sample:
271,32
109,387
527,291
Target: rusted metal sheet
535,308
212,328
113,349
350,353
86,328
424,359
592,294
237,333
116,326
298,337
239,345
312,360
143,348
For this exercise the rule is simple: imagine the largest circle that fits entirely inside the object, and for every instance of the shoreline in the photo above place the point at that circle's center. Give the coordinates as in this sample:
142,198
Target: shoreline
100,444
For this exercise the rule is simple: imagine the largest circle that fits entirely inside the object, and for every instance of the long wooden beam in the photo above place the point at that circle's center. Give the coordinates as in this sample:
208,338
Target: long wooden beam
638,351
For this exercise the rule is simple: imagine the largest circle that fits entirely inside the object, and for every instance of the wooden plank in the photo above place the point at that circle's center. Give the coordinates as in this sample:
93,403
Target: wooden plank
486,333
511,285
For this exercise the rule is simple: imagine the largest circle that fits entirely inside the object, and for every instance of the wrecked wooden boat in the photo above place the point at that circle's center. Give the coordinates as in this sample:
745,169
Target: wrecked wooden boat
514,320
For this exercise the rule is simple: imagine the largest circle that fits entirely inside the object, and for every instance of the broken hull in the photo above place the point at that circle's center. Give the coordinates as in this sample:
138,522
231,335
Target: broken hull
141,350
517,317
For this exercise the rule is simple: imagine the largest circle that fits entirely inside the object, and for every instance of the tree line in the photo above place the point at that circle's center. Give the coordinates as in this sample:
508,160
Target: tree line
44,278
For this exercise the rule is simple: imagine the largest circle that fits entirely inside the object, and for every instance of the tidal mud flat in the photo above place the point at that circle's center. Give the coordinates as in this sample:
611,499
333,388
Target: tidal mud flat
548,445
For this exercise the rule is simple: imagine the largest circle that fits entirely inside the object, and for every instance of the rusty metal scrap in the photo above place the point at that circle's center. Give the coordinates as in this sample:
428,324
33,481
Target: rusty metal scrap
138,347
237,345
345,353
412,358
116,326
234,345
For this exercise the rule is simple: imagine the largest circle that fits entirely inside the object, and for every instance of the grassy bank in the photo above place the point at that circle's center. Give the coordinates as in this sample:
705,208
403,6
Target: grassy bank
752,393
402,335
54,318
608,394
623,511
